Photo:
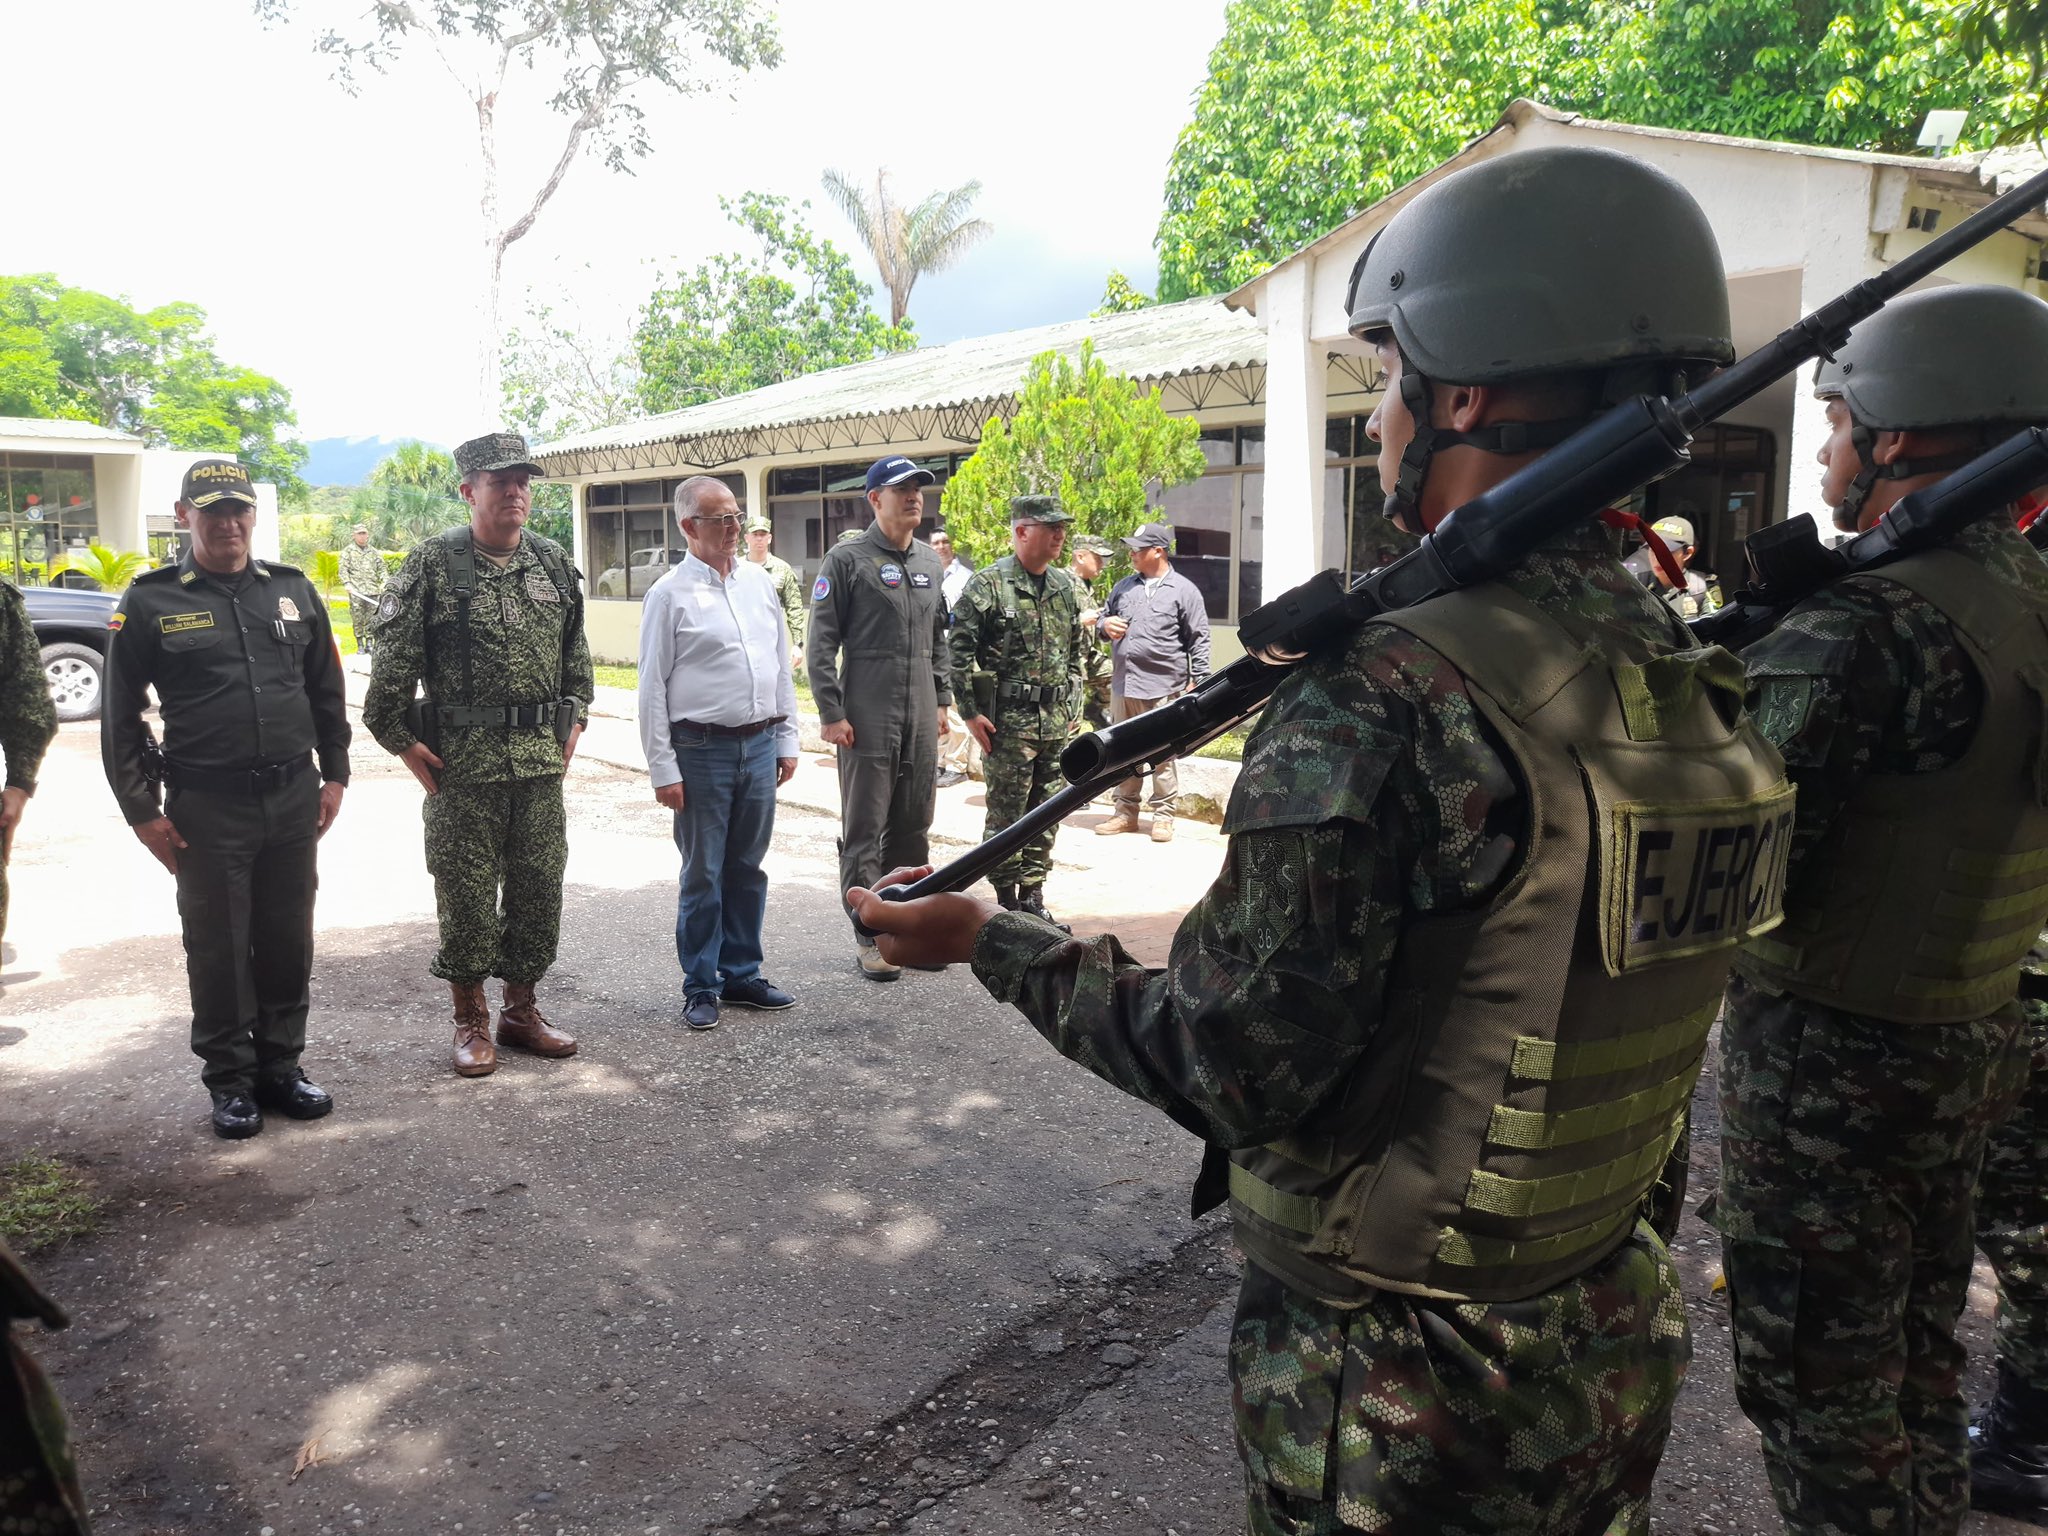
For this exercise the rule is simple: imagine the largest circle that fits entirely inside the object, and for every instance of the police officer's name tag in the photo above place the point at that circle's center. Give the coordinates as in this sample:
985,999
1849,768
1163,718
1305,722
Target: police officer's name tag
1698,877
178,623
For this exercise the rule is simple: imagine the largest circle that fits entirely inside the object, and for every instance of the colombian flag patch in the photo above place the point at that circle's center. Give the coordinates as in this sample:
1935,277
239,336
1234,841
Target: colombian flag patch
116,619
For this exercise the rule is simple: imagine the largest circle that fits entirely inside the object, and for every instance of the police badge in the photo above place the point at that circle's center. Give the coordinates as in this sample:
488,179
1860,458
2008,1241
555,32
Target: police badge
287,609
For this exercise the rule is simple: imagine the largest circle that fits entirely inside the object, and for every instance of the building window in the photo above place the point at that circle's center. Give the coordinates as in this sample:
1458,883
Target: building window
46,507
1356,534
1219,521
630,538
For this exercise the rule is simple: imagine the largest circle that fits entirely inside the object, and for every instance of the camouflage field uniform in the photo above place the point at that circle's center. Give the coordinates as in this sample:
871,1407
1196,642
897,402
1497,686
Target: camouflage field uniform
1095,662
1024,632
27,717
1850,1145
1403,1413
363,571
496,832
789,588
2012,1197
39,1493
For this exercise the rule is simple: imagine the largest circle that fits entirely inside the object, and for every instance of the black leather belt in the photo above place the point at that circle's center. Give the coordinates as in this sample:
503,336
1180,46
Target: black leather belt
728,730
466,716
1048,693
236,781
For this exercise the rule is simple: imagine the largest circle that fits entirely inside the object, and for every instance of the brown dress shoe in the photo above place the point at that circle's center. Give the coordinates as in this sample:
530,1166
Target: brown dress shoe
475,1056
521,1026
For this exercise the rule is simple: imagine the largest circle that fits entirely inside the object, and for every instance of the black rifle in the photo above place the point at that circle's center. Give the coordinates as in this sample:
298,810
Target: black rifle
1788,562
1627,446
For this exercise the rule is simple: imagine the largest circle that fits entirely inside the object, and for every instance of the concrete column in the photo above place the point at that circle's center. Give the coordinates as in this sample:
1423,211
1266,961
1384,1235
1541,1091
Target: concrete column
577,533
1297,409
1838,255
117,501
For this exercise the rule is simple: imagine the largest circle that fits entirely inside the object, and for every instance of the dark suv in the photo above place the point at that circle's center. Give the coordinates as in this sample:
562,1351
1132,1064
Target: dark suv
71,628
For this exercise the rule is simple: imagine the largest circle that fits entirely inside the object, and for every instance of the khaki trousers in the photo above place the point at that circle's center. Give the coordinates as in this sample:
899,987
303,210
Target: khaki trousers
1165,779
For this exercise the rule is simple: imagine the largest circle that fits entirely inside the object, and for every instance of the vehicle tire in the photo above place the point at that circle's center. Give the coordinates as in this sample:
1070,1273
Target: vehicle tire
74,673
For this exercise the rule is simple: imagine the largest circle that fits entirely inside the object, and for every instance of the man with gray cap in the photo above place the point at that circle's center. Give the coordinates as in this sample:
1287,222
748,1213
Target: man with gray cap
789,587
1158,627
876,653
363,575
489,618
1694,593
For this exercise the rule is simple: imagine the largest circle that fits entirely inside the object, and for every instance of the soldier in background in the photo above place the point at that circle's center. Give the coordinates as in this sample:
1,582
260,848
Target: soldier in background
363,574
1090,556
39,1492
489,618
789,587
1017,645
1871,1044
27,722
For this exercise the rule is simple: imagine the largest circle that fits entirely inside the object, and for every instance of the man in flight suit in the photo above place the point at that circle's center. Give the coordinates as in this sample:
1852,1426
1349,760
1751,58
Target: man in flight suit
876,654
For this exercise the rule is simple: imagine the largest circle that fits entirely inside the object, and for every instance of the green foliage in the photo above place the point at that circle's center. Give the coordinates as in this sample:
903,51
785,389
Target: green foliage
907,242
1089,436
326,571
741,321
110,570
549,515
44,1202
1316,109
1993,33
1120,297
72,354
412,465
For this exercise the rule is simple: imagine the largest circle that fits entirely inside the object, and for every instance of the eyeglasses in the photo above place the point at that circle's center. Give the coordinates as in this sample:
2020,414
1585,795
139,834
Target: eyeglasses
716,522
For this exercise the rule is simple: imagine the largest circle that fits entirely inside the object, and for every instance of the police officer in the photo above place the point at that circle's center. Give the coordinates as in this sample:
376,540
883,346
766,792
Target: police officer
789,587
27,722
1443,1023
489,618
248,681
363,575
1695,592
1872,1042
39,1489
876,653
1018,670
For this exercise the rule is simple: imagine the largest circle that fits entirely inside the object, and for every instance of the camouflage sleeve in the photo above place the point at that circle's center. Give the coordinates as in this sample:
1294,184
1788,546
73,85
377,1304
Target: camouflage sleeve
1862,678
1371,794
971,627
400,660
27,717
791,590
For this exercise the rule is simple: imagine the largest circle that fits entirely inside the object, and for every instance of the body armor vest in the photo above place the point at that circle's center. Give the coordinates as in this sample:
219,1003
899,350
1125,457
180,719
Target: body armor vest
1533,1067
1930,888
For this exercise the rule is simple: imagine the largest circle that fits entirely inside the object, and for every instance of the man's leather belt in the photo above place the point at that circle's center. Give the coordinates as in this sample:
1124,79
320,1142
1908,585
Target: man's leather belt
1048,693
236,781
728,730
463,716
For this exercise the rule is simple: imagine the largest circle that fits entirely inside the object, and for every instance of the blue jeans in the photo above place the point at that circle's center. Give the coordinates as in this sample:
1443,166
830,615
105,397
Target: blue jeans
722,833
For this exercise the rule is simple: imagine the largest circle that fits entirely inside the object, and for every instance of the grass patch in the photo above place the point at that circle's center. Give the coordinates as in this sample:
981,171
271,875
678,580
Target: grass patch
627,678
1229,746
42,1203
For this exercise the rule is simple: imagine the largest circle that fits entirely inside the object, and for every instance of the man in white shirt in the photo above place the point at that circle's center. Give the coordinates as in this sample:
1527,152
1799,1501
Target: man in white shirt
718,725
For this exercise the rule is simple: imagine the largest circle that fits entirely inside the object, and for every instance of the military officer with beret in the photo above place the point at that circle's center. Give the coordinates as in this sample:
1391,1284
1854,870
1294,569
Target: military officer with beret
489,618
876,653
1017,646
27,722
248,681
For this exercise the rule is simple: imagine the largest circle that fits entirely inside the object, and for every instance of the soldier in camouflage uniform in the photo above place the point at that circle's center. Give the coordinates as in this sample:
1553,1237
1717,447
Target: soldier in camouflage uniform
1091,554
27,722
363,576
39,1493
789,587
1018,667
489,617
1446,1044
1873,1042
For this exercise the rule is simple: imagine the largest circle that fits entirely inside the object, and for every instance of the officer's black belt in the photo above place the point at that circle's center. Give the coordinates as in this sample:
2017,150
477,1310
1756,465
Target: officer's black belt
464,716
708,729
1035,693
2033,987
236,781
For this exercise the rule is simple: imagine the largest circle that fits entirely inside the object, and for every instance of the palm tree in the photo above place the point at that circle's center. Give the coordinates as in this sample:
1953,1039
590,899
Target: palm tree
415,465
908,242
102,566
327,571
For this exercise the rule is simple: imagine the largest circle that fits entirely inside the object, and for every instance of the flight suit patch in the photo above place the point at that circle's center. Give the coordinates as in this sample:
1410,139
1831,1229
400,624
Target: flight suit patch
892,576
178,623
821,589
920,579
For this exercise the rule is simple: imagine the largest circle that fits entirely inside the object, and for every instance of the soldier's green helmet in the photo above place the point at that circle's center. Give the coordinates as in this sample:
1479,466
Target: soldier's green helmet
1550,261
1972,355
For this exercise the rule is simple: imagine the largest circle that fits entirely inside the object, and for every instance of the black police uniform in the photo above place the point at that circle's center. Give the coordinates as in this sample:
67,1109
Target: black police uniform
250,687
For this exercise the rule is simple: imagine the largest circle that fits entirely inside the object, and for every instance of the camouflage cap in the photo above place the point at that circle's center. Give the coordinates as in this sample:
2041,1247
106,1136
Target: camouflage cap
1038,509
759,524
360,528
1093,544
494,451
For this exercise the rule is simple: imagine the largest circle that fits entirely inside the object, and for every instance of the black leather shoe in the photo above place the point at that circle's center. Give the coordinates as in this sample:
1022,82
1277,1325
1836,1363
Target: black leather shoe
948,777
293,1096
702,1011
235,1115
757,992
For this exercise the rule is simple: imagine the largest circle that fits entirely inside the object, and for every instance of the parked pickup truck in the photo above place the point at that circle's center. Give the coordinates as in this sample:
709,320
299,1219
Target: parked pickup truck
71,628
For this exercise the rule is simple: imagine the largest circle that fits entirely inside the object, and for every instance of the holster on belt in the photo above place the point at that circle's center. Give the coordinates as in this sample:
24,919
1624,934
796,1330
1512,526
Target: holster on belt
984,693
423,720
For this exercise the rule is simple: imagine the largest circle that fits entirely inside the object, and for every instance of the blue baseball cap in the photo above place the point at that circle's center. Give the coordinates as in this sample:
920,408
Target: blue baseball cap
896,470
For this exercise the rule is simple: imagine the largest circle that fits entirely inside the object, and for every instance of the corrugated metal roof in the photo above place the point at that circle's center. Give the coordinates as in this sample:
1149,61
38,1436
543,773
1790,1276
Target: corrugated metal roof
76,431
1163,342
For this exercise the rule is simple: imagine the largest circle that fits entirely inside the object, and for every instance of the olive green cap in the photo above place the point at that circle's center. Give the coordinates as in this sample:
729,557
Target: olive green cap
1545,261
1968,355
1091,543
1038,509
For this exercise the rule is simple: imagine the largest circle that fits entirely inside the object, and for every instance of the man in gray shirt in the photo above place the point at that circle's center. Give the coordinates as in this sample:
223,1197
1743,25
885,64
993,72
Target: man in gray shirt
1158,630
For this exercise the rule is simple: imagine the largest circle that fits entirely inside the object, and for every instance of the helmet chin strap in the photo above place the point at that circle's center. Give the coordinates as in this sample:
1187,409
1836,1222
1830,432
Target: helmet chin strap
1864,440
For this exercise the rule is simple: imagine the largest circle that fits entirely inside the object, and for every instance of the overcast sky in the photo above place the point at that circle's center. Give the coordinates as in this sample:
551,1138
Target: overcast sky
183,151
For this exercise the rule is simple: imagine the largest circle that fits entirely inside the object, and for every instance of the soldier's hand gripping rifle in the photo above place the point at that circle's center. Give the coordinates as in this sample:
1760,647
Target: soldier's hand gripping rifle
1627,446
1788,562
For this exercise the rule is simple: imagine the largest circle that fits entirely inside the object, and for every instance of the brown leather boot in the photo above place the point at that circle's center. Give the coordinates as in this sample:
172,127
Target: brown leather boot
475,1056
521,1026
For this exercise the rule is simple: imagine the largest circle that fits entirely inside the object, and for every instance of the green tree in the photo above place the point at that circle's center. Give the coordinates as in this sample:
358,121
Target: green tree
1315,109
105,568
418,466
1120,296
740,321
561,378
593,55
2002,35
414,491
326,571
1080,432
907,242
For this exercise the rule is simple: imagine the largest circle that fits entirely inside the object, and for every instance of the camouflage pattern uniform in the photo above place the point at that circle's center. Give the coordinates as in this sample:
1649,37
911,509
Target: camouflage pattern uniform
1023,635
1850,1145
497,837
364,574
27,717
789,588
1389,801
1095,663
2012,1197
39,1492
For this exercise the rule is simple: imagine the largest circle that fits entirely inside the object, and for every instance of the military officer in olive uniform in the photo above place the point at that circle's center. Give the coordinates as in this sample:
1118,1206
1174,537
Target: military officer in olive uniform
27,722
39,1490
1090,557
1018,670
248,680
363,575
876,654
488,617
789,587
1439,1016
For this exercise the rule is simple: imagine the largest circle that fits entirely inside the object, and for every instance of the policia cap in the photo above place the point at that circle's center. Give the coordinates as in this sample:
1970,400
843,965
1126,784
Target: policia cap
212,481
